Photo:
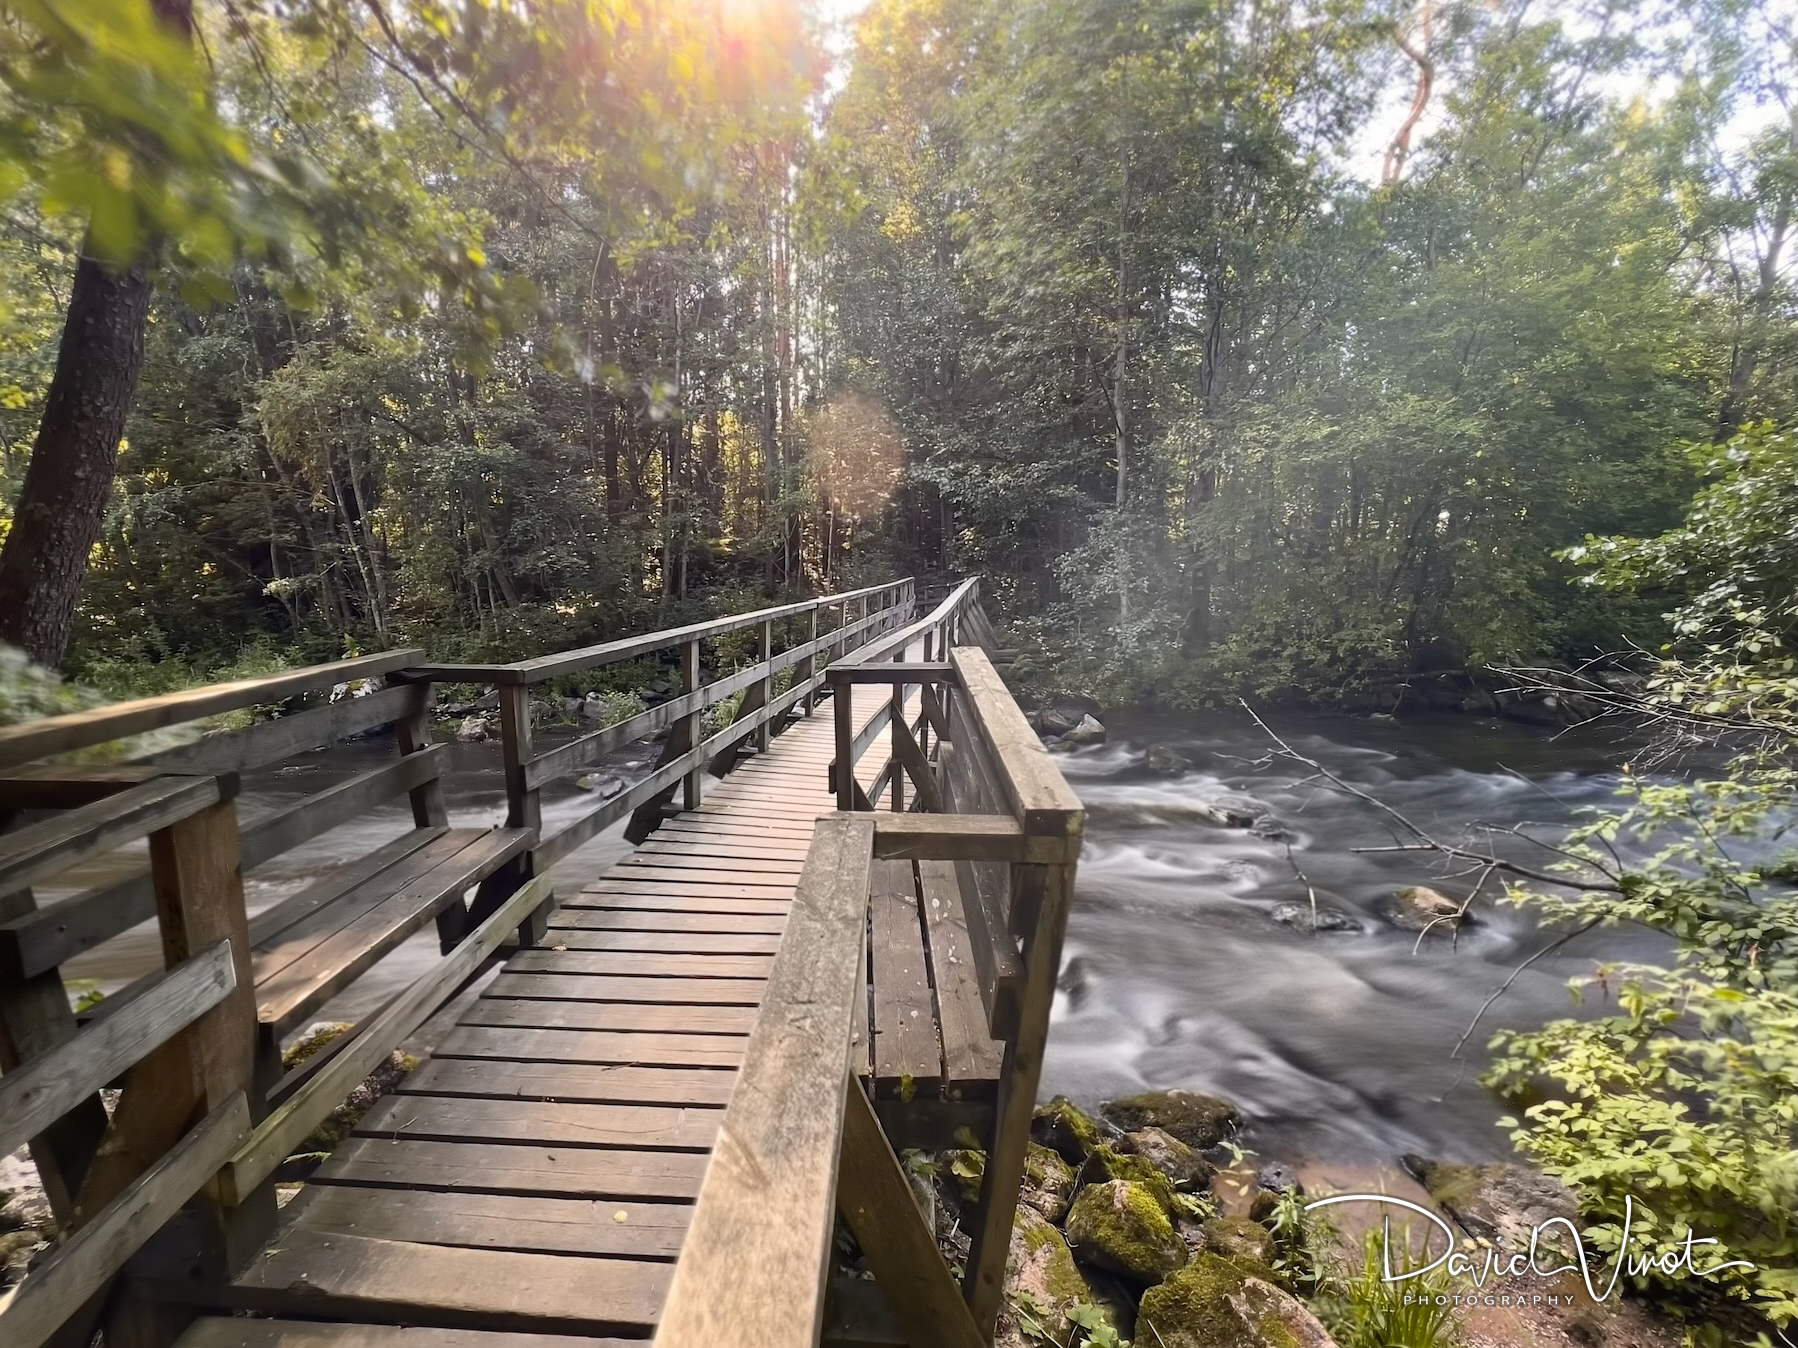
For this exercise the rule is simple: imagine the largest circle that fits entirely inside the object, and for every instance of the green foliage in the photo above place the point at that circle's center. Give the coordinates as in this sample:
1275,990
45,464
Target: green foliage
1682,1096
1362,1310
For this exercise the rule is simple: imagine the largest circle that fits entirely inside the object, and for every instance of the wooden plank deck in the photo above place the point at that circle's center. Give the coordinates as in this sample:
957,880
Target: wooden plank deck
536,1176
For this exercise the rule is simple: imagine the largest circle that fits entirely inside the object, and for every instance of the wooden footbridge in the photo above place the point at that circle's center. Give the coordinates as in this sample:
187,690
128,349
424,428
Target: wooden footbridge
678,1101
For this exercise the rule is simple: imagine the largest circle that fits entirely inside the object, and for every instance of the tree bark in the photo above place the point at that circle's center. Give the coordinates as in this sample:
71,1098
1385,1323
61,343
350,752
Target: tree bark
62,503
69,480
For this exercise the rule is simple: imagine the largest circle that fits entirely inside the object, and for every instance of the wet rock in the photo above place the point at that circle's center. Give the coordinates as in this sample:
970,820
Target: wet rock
1232,809
1041,1280
1121,1226
1090,731
1064,1129
1200,1121
1059,714
594,708
1502,1203
1301,917
1213,1303
1185,1169
1238,1238
1165,762
1107,1163
1048,1183
601,784
474,730
1273,1182
1480,702
1420,908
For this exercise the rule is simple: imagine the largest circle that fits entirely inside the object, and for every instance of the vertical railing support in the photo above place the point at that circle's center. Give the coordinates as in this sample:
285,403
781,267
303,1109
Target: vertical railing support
808,668
524,809
842,701
688,730
766,728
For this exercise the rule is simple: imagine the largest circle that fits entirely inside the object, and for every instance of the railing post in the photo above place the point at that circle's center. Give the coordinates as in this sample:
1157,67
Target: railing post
766,728
897,776
842,701
809,667
688,730
524,805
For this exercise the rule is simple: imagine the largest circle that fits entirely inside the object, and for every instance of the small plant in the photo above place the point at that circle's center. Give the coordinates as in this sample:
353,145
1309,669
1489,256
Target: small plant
1369,1312
1299,1238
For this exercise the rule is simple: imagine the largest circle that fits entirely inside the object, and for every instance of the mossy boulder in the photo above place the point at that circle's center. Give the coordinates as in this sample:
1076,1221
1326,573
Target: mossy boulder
1214,1303
1239,1238
1199,1121
1064,1129
1048,1183
1121,1226
1185,1169
1043,1284
1107,1163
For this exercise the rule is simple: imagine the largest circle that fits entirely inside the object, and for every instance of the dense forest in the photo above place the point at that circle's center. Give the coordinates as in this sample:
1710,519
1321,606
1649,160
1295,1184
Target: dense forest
1242,346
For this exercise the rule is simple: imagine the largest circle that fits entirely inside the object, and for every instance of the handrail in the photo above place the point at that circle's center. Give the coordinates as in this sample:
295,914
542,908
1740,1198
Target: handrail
84,729
960,597
626,648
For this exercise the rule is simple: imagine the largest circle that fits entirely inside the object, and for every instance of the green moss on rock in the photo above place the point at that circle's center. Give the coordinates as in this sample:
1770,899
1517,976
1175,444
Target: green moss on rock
1107,1163
1239,1238
1185,1169
1048,1182
1121,1226
1199,1121
1214,1303
1043,1284
1064,1129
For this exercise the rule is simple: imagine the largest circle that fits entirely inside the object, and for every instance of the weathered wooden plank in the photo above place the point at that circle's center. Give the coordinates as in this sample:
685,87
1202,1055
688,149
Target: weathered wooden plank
499,1221
685,859
632,965
40,850
353,1277
35,1095
877,1201
592,1046
1038,795
628,922
61,786
238,1332
78,730
618,892
567,1015
81,1266
753,1267
575,1083
288,994
906,1051
285,736
667,991
971,1057
717,845
572,1172
277,1135
275,920
662,942
958,837
449,1119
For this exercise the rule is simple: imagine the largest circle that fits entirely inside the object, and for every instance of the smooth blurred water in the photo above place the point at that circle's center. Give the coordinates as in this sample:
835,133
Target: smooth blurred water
1339,1043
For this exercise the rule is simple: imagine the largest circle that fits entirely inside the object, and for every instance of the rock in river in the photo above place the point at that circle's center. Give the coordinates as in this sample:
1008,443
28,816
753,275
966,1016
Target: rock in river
1185,1168
1300,917
1199,1121
1501,1203
1420,908
1062,1128
1165,762
1090,731
1042,1269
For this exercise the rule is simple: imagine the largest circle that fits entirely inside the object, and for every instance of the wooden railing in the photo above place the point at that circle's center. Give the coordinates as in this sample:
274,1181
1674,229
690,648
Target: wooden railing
996,833
208,1113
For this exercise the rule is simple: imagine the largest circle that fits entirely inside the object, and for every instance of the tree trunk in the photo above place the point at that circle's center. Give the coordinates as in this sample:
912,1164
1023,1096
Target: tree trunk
69,479
62,503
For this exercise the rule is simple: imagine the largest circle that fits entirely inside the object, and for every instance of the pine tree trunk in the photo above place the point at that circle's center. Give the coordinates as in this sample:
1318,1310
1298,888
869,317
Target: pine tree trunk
69,479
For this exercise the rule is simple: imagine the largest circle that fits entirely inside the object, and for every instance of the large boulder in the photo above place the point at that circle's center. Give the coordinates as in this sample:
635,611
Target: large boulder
1090,731
1122,1227
1061,713
1185,1169
1501,1203
1062,1128
1238,1238
1215,1303
1048,1182
1420,908
1042,1281
474,730
1200,1121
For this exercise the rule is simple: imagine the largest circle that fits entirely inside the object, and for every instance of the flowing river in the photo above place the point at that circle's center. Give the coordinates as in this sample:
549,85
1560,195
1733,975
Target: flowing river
1176,973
